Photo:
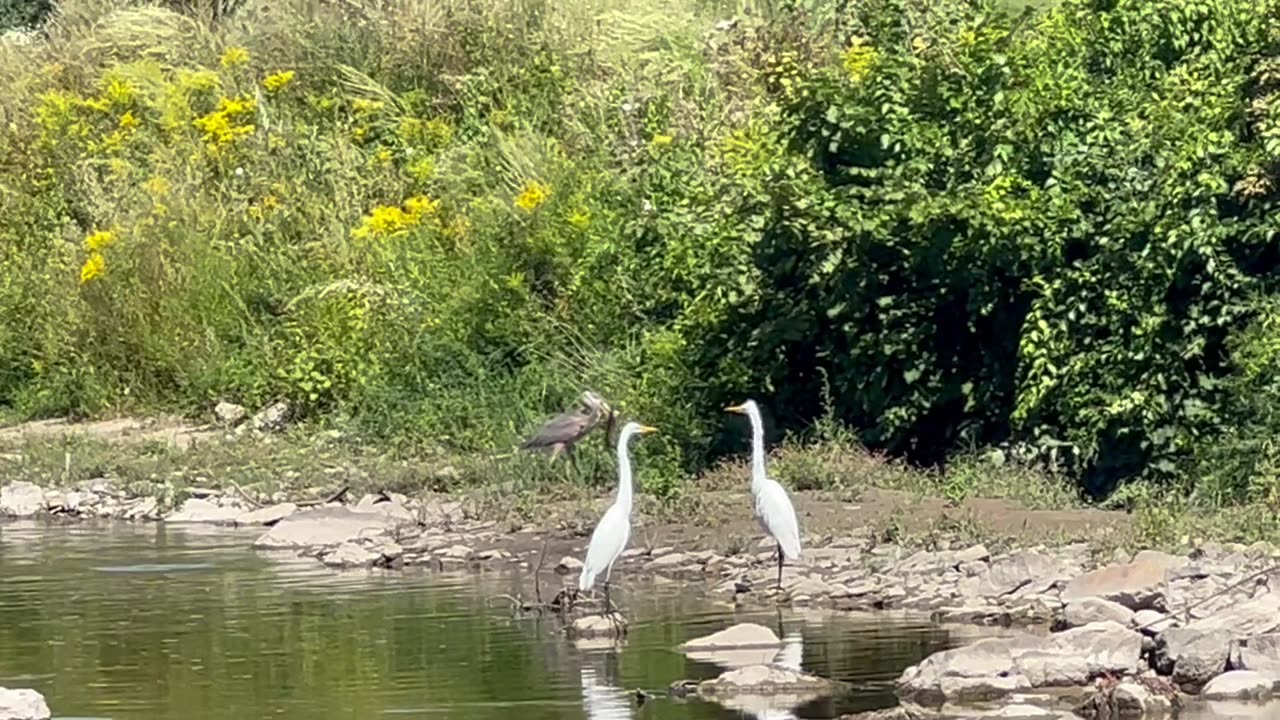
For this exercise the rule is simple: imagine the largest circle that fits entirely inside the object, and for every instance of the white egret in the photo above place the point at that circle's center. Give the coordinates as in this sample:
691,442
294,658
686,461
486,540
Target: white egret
610,537
773,508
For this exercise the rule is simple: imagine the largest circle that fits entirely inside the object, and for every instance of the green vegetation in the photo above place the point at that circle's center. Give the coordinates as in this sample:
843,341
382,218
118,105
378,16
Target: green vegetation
939,226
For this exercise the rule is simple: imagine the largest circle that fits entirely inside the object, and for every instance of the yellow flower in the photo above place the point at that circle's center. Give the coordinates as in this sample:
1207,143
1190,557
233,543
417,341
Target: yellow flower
383,156
391,220
92,267
234,57
362,105
220,126
533,195
128,121
99,240
278,81
580,219
157,186
119,92
858,60
199,80
420,205
662,140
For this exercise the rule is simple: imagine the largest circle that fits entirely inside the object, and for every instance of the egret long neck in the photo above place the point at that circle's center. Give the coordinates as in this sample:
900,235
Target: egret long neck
624,473
757,449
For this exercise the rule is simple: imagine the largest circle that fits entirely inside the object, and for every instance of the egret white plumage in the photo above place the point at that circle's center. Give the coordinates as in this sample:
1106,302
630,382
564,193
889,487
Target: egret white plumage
610,537
773,507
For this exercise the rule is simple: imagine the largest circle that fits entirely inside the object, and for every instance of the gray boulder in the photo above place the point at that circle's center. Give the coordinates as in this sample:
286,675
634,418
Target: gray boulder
995,667
1261,654
1194,654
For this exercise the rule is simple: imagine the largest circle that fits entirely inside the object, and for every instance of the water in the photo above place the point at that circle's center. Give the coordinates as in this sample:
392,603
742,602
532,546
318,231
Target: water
147,622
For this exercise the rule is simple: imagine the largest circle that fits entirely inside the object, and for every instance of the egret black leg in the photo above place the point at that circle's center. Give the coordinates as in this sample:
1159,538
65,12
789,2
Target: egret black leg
779,566
608,603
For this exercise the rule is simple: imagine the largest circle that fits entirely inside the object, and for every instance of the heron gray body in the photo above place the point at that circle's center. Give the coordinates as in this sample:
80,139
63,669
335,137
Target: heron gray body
563,431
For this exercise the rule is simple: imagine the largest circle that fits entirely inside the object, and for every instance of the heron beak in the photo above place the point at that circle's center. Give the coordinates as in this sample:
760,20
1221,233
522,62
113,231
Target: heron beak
647,429
736,409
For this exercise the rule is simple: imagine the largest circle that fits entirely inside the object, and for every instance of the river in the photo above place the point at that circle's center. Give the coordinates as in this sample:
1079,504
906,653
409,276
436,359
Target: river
151,622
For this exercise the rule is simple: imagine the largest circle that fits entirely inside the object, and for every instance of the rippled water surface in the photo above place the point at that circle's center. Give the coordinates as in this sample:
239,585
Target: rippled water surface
143,621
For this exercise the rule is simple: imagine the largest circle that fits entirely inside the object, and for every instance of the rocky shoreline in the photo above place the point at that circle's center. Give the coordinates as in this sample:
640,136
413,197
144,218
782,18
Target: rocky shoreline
1139,635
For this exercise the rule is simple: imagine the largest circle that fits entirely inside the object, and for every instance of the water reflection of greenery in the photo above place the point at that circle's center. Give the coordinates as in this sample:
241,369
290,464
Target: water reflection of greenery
234,642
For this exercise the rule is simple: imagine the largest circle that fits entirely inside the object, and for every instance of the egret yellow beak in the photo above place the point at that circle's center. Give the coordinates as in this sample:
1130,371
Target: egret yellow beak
647,429
736,409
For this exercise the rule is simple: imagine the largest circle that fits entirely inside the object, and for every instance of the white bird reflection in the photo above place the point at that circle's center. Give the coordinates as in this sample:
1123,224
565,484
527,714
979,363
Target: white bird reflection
601,697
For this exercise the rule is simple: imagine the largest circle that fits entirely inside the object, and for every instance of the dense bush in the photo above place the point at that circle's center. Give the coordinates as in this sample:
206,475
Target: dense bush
942,223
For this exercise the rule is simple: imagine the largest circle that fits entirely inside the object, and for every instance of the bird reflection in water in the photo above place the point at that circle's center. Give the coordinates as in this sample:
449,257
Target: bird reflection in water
602,698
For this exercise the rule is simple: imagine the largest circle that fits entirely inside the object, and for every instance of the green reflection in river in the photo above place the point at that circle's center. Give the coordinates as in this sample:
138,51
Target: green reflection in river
142,622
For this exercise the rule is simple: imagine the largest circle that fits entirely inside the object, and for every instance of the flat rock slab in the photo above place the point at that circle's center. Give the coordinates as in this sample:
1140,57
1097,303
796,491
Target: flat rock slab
738,637
1135,585
766,680
22,705
325,526
269,515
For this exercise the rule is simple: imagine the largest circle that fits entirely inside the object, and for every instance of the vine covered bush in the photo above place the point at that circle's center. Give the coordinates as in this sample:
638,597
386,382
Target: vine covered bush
946,225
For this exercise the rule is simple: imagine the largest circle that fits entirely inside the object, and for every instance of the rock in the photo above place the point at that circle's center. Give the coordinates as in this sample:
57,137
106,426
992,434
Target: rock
195,510
1025,570
1152,622
568,565
809,587
1260,654
742,635
1198,652
598,626
994,667
350,555
141,509
1021,710
270,418
976,553
1128,699
390,555
269,515
1135,585
670,561
1192,656
1092,609
22,705
21,499
1238,685
765,680
454,554
324,526
228,414
390,508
